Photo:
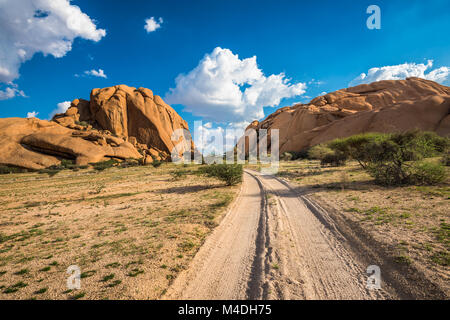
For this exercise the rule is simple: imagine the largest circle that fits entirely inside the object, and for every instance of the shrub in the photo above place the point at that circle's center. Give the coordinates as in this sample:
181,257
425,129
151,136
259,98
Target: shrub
100,166
82,123
231,174
286,156
7,170
427,173
50,171
378,147
327,156
294,155
156,163
356,146
178,174
319,151
335,159
131,163
446,159
394,159
386,174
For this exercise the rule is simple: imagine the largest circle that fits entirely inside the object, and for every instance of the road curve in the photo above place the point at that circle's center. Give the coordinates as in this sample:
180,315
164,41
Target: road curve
270,245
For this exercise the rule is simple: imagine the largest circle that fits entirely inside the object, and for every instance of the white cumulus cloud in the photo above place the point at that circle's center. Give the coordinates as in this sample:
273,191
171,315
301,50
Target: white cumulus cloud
224,88
46,26
217,139
32,114
151,24
403,71
100,73
61,108
11,92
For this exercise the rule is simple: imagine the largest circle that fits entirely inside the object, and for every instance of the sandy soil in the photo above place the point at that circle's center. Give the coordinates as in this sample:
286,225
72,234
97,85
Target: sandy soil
222,269
405,229
130,230
272,246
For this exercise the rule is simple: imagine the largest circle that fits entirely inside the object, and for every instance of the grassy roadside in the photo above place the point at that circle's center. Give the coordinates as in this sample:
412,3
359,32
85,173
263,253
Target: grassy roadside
130,230
413,221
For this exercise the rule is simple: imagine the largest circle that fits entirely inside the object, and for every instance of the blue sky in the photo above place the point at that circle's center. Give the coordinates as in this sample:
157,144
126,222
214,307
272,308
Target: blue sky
321,44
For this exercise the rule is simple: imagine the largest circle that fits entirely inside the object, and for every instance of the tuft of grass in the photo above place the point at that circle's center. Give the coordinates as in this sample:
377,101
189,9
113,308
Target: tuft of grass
88,274
443,233
403,259
113,265
78,296
15,287
442,258
114,283
187,245
108,277
21,272
135,272
41,291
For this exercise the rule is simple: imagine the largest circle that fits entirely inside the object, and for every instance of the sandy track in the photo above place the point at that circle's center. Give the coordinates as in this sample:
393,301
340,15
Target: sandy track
223,265
270,245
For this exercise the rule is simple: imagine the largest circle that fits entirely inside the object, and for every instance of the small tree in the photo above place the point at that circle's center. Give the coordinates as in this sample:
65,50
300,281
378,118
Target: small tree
394,159
231,174
327,156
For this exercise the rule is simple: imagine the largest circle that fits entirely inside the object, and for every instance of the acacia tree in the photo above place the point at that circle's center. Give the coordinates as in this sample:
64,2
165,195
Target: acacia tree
396,158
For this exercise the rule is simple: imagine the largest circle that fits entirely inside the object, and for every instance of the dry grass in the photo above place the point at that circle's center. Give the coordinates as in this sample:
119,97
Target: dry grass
413,221
130,230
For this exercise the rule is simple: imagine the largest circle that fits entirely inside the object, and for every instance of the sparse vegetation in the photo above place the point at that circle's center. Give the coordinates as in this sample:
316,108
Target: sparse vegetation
231,174
7,170
100,166
411,221
178,174
157,163
82,123
327,156
118,225
398,158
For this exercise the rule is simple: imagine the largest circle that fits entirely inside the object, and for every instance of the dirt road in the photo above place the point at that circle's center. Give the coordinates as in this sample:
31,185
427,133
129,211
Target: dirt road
271,245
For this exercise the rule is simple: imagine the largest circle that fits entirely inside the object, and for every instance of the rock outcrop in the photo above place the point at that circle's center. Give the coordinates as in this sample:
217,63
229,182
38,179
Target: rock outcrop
135,115
384,106
37,144
118,122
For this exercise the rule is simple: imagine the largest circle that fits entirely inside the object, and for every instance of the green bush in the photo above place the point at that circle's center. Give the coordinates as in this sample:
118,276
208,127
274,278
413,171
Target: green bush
319,151
178,174
427,173
131,163
387,174
446,159
334,159
294,155
394,159
286,156
50,171
231,174
156,163
82,123
7,170
100,166
356,147
378,147
327,156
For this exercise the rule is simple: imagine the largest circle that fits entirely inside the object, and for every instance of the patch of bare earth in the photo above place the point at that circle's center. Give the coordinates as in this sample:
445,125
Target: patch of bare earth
411,222
130,230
